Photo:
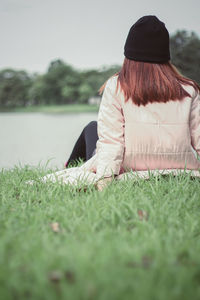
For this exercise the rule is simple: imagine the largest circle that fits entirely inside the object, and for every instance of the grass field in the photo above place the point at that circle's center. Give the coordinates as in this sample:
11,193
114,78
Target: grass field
135,240
68,108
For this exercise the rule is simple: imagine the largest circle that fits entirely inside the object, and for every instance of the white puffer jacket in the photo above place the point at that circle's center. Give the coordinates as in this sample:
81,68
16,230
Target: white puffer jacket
155,136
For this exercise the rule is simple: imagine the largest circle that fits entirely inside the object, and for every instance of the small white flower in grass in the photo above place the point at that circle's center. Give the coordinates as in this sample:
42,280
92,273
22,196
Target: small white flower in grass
55,226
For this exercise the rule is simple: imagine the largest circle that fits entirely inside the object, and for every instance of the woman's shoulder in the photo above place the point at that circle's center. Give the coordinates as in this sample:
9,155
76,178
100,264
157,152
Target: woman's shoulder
114,85
191,90
112,81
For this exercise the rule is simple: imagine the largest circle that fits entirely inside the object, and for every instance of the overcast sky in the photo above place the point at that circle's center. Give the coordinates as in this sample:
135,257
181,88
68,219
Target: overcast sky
84,33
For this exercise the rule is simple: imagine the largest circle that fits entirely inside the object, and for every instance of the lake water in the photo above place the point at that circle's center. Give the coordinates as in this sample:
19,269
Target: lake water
35,138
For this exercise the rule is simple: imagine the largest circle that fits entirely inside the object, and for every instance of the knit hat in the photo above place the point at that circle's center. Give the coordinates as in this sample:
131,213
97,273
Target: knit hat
148,41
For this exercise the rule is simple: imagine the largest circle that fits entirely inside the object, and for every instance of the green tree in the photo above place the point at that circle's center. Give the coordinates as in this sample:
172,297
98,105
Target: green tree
85,92
185,52
14,87
70,87
37,91
58,77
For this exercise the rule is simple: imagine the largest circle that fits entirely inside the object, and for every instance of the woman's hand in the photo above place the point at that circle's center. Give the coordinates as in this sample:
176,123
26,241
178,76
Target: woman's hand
102,183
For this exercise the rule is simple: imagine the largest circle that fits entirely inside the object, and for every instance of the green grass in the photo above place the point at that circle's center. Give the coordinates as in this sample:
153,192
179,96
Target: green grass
68,108
135,240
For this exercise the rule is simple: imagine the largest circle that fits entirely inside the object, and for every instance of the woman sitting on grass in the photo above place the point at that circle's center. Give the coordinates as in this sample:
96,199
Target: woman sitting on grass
149,117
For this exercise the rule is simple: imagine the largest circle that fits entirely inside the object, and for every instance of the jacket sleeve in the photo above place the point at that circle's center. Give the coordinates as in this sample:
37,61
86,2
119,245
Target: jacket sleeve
110,146
195,123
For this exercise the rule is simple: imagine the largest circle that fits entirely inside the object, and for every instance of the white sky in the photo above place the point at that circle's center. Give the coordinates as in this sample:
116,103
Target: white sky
84,33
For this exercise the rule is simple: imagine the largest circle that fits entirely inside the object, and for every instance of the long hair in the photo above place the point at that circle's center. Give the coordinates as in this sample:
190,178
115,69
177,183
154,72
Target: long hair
145,83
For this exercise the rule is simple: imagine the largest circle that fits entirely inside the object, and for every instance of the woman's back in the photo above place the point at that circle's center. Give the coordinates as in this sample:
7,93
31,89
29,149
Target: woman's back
155,136
158,135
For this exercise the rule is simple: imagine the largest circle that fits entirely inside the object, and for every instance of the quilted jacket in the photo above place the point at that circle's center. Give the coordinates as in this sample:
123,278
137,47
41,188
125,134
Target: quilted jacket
155,136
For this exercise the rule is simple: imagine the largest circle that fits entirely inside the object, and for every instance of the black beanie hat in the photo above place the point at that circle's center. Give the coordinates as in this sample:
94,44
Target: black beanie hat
148,41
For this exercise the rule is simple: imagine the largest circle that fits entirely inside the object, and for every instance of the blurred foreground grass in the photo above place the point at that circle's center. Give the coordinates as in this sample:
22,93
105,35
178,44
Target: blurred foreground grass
68,108
135,240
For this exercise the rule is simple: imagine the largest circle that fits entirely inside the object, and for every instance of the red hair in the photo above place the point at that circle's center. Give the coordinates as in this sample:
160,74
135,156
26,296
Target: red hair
145,83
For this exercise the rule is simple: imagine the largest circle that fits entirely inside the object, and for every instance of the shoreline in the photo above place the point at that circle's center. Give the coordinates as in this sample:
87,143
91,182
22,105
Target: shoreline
66,108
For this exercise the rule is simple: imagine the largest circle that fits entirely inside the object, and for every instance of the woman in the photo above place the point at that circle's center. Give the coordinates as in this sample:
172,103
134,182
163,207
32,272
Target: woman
149,117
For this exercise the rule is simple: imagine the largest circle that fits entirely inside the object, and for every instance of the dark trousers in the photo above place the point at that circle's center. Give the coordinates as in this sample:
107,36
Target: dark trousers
86,144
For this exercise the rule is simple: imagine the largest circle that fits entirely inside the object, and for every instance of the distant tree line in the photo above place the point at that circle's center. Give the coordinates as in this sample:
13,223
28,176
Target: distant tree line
63,84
